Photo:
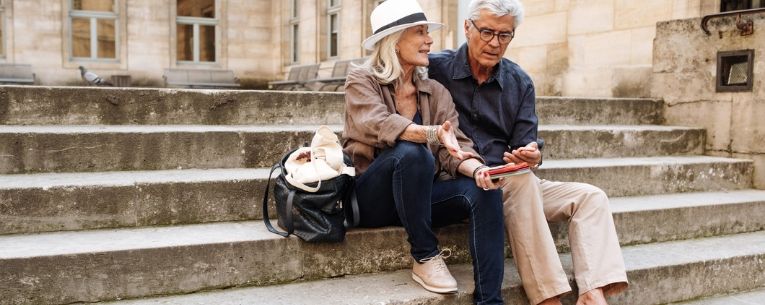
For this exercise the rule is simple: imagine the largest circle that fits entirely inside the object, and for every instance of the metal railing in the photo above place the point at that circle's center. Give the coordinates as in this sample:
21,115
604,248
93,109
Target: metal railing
746,27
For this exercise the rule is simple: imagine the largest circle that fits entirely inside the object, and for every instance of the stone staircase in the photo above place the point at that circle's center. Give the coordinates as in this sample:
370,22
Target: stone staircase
154,196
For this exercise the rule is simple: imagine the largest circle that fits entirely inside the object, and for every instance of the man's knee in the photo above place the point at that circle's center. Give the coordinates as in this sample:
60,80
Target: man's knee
519,183
594,198
521,190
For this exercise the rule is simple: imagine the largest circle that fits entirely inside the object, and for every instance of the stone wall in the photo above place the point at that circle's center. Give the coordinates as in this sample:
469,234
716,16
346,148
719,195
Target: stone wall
37,35
570,47
355,27
684,75
595,47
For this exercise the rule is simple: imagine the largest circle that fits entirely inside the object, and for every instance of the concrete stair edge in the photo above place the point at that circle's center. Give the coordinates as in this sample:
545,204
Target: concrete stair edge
50,148
648,266
71,105
73,201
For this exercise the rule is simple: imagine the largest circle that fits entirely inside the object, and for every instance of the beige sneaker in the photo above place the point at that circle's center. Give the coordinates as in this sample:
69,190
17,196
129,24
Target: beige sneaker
433,274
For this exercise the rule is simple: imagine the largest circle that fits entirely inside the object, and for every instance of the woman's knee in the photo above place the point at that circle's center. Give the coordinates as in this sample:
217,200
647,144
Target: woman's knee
414,154
490,200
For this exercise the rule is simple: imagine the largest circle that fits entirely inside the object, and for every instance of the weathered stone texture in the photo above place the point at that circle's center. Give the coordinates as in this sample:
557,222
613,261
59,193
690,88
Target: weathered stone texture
685,74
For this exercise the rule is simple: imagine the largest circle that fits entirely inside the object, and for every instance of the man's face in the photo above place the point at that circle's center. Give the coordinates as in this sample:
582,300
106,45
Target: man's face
487,54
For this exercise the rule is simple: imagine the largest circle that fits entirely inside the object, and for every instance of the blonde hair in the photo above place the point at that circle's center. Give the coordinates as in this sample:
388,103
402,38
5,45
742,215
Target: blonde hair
384,64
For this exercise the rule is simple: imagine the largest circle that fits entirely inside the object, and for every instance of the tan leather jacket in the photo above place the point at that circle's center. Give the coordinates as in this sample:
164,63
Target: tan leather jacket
372,124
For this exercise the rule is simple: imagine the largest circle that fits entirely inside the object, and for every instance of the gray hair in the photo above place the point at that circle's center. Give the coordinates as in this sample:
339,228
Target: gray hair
497,7
383,62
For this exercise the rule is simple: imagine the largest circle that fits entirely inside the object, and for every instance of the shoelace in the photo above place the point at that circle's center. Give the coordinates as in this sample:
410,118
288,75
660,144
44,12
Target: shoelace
440,264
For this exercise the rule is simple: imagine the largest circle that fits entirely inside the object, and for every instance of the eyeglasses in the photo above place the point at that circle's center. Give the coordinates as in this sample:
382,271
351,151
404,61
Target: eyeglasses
487,35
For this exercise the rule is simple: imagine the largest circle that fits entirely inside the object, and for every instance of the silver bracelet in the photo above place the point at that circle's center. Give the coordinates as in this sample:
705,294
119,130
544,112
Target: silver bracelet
431,134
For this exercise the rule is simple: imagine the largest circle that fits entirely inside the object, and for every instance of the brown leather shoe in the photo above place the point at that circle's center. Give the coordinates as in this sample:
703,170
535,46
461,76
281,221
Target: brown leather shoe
433,274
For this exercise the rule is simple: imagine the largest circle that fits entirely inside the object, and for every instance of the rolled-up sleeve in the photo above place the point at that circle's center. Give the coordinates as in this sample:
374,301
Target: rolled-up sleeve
371,120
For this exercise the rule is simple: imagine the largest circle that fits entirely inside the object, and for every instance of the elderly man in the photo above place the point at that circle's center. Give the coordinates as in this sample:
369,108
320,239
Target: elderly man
496,103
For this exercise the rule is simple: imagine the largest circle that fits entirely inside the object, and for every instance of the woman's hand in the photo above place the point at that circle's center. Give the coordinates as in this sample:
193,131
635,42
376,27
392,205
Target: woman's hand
529,154
449,140
483,180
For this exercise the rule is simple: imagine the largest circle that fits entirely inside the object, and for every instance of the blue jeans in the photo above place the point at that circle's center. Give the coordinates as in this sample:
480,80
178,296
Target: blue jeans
399,188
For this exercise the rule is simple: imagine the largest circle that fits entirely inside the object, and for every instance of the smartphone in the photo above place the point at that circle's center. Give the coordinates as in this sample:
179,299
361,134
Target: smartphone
507,170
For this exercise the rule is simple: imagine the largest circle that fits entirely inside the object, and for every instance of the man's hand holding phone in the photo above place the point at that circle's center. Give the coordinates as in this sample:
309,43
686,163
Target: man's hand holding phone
529,154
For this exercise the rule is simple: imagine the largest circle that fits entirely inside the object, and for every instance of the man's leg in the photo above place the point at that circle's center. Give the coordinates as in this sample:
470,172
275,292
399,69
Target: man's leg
459,199
595,250
530,239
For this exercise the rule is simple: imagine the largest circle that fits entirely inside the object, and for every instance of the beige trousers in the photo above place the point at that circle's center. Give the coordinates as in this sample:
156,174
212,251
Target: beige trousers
529,203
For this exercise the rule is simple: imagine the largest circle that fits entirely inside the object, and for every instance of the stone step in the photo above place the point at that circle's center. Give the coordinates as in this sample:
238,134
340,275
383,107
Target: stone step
97,266
755,297
50,148
75,201
653,175
26,105
604,141
118,106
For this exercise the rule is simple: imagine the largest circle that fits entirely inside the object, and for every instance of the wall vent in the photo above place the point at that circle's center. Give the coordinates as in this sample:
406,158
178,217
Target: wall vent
734,71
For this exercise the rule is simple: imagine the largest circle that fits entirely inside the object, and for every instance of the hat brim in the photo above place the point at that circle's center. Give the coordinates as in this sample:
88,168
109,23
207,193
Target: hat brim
370,42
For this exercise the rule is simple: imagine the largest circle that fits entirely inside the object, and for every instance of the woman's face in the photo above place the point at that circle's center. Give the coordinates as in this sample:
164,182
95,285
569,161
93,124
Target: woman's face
414,45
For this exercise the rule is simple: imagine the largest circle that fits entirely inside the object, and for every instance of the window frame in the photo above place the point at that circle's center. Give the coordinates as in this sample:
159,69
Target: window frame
220,41
294,30
93,17
4,30
333,11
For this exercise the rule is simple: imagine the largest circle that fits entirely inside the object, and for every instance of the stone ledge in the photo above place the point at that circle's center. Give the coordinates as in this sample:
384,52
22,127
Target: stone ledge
75,201
35,149
658,273
124,106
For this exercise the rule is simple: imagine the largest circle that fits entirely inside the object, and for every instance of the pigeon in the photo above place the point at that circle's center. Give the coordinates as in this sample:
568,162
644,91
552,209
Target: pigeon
92,78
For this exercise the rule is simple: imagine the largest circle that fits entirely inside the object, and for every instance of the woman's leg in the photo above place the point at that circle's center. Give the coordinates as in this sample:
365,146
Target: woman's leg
459,199
396,189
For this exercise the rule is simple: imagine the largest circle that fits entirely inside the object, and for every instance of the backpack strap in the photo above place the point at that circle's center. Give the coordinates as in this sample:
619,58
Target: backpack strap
266,219
354,205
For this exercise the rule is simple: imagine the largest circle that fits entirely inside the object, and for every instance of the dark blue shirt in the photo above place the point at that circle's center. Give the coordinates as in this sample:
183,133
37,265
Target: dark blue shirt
498,115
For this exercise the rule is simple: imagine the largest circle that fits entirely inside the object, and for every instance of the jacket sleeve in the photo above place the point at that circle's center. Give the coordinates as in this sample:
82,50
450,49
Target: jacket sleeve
371,121
445,111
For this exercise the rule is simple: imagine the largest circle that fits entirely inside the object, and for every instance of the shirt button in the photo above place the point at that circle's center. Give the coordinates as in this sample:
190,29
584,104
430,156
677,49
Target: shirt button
475,116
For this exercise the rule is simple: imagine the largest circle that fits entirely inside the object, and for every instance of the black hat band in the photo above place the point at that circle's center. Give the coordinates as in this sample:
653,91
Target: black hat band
405,20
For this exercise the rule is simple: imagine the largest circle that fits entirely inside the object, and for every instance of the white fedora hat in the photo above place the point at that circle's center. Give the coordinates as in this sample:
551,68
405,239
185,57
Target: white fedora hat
395,15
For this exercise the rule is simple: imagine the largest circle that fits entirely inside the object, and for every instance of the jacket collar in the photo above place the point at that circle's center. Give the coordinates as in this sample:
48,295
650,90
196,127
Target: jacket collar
423,86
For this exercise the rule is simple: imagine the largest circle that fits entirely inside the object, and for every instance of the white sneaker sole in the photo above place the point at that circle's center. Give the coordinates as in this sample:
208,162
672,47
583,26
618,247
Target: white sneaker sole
431,288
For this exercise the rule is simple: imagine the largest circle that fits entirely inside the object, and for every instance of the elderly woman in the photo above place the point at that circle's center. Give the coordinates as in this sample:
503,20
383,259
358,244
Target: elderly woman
414,167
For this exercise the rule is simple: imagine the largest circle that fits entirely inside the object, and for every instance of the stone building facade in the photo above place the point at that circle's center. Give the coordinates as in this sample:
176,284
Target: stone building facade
570,47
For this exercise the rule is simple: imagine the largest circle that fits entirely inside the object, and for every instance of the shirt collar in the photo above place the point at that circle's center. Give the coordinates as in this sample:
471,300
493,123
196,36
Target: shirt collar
461,67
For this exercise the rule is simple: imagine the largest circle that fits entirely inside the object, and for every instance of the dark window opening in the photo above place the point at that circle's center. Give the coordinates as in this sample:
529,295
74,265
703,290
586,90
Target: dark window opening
735,5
